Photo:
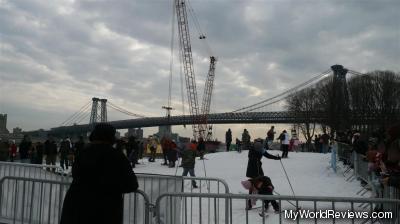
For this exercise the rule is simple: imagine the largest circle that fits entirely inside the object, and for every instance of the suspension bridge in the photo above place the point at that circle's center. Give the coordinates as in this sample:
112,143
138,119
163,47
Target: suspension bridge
271,110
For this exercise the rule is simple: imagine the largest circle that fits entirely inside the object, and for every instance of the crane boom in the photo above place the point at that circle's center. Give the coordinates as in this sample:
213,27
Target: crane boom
187,61
208,89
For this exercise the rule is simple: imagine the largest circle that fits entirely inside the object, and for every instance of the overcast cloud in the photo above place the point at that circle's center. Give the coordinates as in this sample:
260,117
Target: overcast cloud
56,55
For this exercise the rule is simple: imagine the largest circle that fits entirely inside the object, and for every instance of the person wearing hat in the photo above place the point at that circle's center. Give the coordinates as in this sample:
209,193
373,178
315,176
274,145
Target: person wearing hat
101,175
254,165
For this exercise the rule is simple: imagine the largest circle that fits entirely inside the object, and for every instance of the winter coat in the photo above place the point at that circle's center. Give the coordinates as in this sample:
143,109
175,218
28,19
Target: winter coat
3,151
101,175
254,165
189,158
270,135
50,148
228,137
266,186
24,148
201,146
64,148
79,145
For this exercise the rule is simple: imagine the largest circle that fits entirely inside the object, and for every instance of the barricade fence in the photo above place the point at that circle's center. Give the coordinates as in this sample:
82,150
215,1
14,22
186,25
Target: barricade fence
36,171
27,200
357,163
308,209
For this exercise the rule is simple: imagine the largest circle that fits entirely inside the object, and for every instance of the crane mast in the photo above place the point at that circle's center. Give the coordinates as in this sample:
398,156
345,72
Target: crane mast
187,61
206,101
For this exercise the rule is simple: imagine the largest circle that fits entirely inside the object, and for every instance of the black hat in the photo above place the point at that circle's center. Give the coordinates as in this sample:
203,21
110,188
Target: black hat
103,132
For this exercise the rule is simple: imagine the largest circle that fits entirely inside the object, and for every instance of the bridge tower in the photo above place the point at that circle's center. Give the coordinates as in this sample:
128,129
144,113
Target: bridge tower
339,102
95,117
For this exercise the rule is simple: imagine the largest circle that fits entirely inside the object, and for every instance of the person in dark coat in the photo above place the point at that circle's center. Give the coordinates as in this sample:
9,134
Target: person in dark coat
228,139
101,175
261,185
201,147
50,150
133,147
254,165
24,148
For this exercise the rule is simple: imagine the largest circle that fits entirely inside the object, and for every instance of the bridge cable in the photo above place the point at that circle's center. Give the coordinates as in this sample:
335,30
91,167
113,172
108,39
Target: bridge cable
273,102
286,92
171,63
124,111
78,119
75,114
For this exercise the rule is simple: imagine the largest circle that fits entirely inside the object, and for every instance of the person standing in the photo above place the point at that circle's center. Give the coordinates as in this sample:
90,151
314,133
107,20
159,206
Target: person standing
201,147
153,149
172,154
101,175
13,151
246,139
228,139
133,147
270,136
189,160
64,150
165,147
50,150
238,145
39,148
4,151
24,148
325,143
285,144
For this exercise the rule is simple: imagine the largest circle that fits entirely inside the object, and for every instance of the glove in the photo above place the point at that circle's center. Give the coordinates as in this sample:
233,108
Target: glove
279,158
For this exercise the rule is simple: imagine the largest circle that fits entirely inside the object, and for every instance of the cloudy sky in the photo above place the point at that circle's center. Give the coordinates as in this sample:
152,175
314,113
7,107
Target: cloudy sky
56,55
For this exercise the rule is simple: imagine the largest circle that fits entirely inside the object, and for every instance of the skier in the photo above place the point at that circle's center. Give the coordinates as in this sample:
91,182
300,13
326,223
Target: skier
189,160
254,165
260,185
101,175
228,139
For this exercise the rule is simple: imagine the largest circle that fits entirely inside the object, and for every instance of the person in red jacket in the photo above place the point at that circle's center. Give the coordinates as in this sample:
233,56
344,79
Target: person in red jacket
13,151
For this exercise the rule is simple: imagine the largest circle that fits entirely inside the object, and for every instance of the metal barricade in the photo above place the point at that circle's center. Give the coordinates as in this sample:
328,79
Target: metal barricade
27,200
155,185
335,207
37,171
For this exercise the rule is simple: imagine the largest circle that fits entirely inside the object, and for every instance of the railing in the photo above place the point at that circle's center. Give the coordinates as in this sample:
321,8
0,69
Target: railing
27,200
35,171
288,205
156,185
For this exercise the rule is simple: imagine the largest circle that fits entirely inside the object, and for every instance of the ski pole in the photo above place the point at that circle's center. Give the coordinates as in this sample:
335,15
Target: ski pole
286,200
287,177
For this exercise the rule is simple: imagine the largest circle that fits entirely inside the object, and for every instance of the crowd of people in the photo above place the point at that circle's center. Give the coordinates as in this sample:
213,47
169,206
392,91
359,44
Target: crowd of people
381,152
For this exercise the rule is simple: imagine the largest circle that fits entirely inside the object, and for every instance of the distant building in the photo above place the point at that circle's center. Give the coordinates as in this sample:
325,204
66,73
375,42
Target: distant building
3,124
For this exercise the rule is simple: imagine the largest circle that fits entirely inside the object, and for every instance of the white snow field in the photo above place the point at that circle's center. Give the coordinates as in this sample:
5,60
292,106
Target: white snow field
309,173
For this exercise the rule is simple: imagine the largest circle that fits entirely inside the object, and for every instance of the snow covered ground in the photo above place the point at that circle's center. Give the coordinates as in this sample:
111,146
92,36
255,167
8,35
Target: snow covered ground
309,174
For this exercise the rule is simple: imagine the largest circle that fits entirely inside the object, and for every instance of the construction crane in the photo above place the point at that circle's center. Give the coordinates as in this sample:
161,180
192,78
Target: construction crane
199,117
206,102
